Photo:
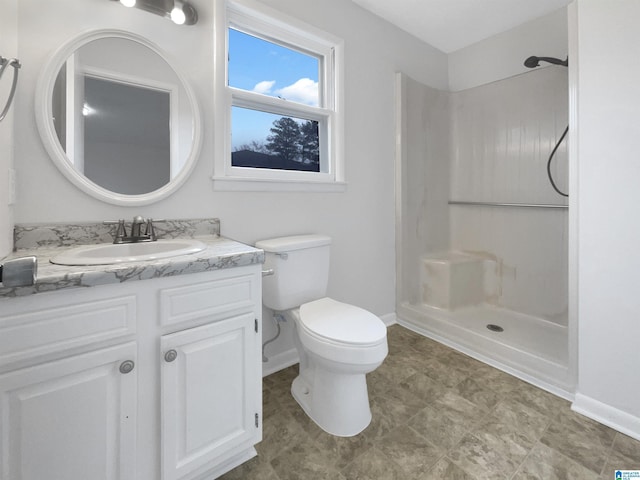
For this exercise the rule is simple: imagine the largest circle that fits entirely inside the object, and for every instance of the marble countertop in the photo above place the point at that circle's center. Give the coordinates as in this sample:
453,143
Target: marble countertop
220,253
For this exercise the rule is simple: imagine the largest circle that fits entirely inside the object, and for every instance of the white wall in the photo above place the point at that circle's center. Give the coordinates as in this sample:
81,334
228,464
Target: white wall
608,232
44,27
503,55
361,220
8,49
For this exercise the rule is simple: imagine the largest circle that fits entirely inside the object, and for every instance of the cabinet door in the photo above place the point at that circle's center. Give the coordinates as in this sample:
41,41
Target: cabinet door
72,419
210,395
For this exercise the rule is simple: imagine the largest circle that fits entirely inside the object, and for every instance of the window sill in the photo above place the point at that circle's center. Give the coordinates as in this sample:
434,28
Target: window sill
237,184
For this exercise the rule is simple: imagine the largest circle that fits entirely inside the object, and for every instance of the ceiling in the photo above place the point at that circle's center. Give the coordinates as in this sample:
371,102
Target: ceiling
450,25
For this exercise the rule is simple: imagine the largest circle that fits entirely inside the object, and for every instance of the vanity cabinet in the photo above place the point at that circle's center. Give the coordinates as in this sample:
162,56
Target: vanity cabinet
144,380
70,419
202,420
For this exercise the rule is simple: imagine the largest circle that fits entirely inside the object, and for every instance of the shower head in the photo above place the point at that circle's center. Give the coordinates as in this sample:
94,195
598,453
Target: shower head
534,61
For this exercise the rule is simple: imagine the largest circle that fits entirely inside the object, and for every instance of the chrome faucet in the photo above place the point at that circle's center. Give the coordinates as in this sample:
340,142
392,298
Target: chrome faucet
135,234
135,226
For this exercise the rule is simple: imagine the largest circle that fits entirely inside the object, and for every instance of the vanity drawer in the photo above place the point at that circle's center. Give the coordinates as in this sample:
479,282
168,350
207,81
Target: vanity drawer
50,327
213,299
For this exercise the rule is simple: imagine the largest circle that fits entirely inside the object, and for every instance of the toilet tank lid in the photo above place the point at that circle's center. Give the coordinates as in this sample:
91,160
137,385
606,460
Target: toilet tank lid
295,242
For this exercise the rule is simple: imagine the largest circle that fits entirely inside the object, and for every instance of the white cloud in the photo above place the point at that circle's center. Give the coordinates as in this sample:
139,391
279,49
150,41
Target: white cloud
304,91
264,87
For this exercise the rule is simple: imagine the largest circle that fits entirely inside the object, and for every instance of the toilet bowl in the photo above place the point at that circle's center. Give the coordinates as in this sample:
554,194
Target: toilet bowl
337,343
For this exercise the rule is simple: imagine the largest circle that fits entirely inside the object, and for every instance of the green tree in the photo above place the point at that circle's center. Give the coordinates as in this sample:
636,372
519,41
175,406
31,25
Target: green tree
285,138
309,142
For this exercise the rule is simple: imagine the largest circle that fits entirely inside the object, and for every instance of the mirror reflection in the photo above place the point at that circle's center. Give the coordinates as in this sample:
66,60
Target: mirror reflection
122,116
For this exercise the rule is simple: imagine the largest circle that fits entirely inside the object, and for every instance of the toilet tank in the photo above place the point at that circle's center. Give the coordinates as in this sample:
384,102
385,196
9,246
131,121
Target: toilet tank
301,270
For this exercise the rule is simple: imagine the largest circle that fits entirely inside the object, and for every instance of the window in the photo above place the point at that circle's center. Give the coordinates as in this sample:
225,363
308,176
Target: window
282,92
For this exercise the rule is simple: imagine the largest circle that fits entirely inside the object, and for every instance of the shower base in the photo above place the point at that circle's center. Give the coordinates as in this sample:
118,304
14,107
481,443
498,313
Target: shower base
530,348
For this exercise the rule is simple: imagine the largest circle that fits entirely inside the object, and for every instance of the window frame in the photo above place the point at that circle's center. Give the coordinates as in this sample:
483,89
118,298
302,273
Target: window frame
262,22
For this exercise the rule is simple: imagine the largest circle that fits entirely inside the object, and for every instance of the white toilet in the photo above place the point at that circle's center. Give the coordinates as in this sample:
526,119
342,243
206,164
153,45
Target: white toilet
337,343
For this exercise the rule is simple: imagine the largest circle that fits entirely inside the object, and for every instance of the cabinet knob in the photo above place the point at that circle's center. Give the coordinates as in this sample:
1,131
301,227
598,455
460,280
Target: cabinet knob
127,366
170,356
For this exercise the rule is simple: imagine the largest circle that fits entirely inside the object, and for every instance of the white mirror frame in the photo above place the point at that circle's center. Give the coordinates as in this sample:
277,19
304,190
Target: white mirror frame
44,120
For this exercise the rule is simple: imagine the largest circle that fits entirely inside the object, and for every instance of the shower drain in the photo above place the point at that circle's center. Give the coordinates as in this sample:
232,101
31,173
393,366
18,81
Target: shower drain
495,328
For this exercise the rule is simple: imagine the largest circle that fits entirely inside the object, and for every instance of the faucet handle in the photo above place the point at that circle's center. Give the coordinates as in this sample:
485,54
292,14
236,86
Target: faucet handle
149,230
121,231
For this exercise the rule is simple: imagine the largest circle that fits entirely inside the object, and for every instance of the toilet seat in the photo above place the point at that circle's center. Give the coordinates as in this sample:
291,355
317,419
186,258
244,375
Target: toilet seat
342,332
337,322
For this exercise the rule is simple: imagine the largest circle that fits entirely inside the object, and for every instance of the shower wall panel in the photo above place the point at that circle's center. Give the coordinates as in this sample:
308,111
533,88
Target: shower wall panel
502,135
530,249
423,179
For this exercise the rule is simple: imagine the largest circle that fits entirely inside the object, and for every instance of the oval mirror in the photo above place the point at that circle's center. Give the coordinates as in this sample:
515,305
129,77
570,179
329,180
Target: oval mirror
117,120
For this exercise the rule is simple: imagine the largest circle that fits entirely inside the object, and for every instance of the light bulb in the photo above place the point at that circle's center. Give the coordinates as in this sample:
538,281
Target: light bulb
128,3
87,110
177,15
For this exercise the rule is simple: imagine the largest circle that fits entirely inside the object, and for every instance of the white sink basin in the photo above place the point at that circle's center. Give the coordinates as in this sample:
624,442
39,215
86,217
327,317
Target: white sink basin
109,253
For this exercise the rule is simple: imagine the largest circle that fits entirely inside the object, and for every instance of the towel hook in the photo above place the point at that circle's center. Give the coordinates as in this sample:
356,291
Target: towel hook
4,63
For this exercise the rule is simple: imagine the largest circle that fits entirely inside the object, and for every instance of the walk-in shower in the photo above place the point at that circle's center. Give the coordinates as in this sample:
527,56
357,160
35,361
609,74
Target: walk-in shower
482,236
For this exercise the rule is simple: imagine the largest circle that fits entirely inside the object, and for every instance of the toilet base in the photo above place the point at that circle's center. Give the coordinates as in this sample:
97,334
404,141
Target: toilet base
338,403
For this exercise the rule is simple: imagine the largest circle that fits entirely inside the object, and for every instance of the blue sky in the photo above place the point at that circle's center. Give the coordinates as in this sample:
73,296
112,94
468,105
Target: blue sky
263,67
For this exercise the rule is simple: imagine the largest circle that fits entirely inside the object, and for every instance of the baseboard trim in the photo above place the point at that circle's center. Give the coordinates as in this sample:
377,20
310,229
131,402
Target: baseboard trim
280,361
607,415
236,460
389,319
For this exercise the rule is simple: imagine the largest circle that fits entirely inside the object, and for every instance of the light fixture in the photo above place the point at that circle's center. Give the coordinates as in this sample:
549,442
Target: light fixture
177,14
178,11
183,13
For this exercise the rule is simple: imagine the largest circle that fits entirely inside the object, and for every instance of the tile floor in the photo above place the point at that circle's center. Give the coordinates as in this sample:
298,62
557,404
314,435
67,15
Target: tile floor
438,414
